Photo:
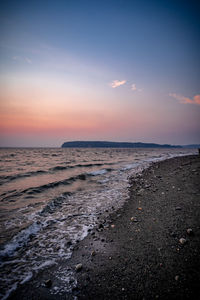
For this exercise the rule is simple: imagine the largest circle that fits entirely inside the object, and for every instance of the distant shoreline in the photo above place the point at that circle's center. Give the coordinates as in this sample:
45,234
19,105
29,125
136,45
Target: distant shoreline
107,144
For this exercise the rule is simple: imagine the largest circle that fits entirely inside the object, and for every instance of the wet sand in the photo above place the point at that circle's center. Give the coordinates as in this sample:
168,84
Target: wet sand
144,250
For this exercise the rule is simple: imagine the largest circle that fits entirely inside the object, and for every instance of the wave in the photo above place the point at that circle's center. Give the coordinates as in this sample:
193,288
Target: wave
54,184
58,168
8,178
39,189
55,204
20,240
129,166
100,172
5,179
42,188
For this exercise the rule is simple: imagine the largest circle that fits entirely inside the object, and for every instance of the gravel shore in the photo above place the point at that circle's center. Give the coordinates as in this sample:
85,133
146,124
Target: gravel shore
149,249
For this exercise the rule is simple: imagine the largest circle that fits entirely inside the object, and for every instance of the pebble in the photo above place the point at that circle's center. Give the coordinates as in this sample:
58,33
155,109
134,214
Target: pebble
48,283
190,231
112,226
182,241
176,277
93,253
78,267
140,192
173,234
147,186
134,219
178,208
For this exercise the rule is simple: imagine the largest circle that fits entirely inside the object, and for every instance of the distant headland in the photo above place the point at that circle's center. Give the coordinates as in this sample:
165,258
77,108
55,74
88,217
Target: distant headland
105,144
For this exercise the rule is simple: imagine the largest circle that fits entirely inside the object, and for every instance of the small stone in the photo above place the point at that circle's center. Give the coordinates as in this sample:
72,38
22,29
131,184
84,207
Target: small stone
68,244
173,234
93,253
147,186
182,241
48,283
134,219
110,257
178,208
190,231
78,267
82,177
112,226
176,277
140,192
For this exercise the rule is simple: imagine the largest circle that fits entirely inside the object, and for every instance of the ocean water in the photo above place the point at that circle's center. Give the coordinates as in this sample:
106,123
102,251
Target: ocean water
51,198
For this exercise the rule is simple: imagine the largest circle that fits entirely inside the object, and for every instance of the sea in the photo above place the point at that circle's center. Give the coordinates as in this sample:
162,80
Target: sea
50,198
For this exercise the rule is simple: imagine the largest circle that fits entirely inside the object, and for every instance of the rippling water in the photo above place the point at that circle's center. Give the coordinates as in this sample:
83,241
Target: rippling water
49,198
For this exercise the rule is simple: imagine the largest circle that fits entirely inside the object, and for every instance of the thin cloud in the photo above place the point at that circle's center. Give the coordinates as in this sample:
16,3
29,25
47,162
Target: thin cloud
28,60
134,88
186,100
116,83
22,59
15,58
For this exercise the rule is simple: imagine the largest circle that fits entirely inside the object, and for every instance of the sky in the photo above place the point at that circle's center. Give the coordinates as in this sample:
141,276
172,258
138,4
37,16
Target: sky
99,70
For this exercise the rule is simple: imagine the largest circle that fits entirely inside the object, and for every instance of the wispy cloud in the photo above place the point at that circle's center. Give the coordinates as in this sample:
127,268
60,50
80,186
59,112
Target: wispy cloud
116,83
186,100
134,88
22,59
28,60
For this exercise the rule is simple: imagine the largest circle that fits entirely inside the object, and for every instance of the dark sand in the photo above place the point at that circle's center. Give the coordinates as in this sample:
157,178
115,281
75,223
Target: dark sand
136,254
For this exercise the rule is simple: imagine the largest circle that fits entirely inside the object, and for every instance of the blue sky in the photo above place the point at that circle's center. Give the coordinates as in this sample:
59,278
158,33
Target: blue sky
114,70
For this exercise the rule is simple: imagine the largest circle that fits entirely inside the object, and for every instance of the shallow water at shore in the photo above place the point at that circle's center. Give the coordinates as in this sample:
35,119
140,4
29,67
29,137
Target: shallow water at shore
50,198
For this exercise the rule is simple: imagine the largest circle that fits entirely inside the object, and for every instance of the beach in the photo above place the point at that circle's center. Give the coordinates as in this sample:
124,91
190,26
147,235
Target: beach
148,249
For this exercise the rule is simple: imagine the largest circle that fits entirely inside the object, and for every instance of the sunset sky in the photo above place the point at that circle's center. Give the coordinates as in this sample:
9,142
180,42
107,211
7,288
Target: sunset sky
99,70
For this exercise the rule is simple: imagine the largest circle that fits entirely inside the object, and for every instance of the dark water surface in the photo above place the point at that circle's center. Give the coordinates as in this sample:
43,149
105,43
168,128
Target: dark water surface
49,198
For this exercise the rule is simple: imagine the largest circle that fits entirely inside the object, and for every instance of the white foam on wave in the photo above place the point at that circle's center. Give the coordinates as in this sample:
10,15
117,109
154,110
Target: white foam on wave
129,166
45,264
20,239
98,172
12,289
27,277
